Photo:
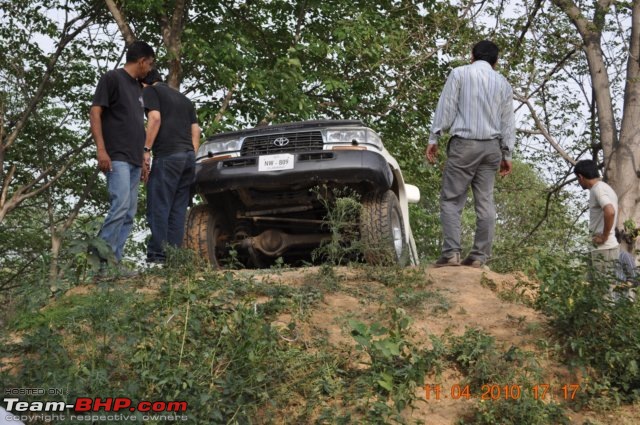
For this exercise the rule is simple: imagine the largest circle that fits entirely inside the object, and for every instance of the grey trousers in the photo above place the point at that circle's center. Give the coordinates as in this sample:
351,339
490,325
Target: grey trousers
475,163
606,265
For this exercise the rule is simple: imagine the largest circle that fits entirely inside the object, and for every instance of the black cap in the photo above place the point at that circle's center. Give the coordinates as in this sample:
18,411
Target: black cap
152,77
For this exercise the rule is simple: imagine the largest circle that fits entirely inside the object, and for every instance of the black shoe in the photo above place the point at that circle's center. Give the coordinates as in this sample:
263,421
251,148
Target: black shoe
448,261
472,262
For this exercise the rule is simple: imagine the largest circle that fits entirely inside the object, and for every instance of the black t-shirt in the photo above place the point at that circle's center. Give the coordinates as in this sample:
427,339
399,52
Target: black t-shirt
120,96
176,116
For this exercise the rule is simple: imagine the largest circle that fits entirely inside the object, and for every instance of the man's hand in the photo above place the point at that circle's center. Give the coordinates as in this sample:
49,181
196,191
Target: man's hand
505,168
598,239
104,161
146,167
431,153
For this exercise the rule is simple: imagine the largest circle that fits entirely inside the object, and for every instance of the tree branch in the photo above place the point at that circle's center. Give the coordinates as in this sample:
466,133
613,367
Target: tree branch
582,24
530,19
543,130
225,104
591,38
551,73
64,40
91,181
550,194
121,21
5,185
24,192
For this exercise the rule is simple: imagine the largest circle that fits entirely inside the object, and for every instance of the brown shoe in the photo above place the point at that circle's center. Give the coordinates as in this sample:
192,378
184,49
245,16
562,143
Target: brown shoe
471,262
448,261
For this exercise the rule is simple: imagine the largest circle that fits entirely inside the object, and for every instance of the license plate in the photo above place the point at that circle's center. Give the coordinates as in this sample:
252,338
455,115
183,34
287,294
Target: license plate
281,161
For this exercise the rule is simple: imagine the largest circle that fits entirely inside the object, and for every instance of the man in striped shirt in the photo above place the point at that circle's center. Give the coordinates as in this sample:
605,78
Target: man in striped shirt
476,109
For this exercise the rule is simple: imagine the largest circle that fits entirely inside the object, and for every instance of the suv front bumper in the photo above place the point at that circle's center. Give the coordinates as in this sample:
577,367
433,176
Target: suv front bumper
344,167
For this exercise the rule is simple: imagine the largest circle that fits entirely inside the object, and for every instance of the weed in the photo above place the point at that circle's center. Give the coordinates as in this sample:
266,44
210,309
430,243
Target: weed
397,367
328,278
412,299
396,275
342,208
488,283
485,367
279,265
194,341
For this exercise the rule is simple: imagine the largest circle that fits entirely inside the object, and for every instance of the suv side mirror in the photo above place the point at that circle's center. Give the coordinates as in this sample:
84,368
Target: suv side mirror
413,193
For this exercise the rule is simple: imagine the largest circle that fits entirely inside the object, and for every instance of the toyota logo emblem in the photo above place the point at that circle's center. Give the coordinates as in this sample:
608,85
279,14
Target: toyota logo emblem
281,141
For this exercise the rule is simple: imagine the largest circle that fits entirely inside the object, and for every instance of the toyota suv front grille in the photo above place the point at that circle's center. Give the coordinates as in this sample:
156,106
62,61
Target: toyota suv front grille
282,143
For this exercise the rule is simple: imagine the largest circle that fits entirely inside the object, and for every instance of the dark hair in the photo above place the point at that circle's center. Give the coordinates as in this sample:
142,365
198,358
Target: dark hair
152,77
139,50
485,50
587,168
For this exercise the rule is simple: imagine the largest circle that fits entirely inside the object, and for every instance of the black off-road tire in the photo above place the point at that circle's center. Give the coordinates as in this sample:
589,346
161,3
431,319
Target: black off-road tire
207,233
382,233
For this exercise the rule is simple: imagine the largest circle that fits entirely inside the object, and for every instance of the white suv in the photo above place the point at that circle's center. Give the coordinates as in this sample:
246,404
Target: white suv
261,190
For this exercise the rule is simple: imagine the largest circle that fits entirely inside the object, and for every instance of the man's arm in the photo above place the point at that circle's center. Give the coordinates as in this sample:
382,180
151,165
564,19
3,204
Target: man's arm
195,136
95,123
609,216
444,115
508,130
153,127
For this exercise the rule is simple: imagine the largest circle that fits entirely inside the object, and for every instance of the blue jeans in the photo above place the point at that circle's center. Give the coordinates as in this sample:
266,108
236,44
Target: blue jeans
122,184
168,194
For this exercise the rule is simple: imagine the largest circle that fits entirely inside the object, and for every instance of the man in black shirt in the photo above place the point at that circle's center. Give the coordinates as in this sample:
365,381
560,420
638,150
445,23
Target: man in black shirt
117,126
173,135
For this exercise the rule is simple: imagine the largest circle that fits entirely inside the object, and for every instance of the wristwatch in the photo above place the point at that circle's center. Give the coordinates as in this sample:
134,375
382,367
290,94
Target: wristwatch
146,149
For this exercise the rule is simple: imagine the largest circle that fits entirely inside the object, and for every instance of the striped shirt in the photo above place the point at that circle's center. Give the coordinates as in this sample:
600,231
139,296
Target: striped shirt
476,103
626,268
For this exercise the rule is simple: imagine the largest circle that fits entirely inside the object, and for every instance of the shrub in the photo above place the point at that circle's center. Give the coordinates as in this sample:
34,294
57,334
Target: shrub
595,334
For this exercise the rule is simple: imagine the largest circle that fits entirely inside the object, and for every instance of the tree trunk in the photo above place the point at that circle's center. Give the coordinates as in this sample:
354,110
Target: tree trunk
621,155
56,243
624,166
591,37
172,28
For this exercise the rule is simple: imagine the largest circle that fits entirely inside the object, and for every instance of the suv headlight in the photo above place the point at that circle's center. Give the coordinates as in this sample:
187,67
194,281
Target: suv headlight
220,147
354,137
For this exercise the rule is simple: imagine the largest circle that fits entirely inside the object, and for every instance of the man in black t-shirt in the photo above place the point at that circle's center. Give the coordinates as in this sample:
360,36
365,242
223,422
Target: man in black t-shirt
173,135
117,126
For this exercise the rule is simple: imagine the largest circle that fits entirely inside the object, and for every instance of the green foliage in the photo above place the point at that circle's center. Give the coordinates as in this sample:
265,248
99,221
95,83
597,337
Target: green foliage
597,335
410,288
521,204
397,367
343,211
484,365
191,340
52,94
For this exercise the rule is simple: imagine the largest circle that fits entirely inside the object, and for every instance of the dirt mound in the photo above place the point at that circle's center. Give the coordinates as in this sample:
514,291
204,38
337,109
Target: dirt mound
460,298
